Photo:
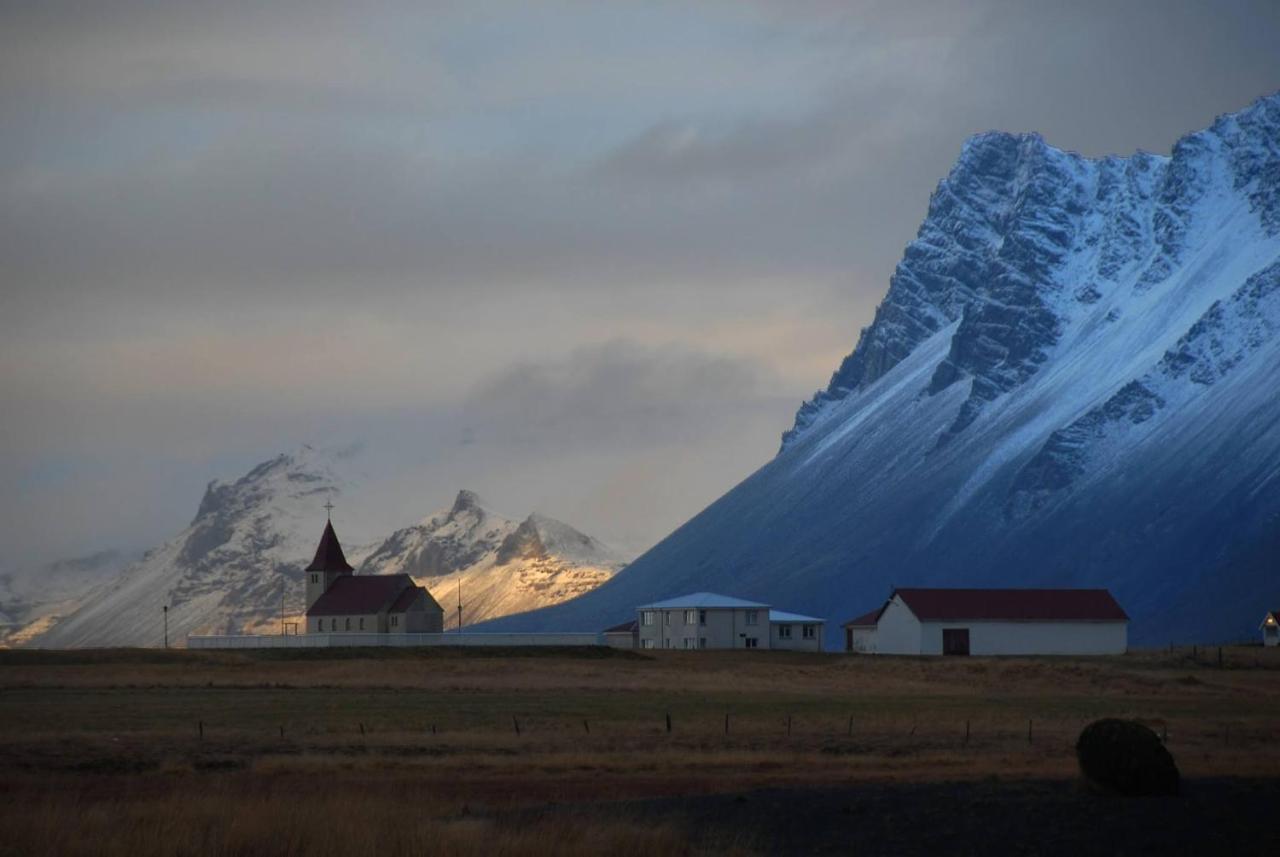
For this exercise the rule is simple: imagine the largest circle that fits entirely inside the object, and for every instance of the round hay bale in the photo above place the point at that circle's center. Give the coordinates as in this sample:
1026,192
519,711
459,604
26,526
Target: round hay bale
1125,757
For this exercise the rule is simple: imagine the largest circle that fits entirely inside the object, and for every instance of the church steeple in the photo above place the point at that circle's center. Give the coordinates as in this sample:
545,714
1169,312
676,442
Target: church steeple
329,564
329,557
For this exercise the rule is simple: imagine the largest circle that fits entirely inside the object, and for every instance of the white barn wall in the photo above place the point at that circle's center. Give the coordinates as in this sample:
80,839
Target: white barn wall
1032,638
862,640
898,632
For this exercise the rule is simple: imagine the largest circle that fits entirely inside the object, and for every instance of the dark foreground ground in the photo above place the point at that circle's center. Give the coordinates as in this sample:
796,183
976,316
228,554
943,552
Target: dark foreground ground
989,817
522,752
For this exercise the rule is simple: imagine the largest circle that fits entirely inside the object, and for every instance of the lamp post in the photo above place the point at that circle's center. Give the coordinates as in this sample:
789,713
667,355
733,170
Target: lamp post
165,608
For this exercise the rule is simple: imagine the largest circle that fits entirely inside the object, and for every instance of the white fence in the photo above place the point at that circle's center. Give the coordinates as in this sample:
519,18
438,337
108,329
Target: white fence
322,641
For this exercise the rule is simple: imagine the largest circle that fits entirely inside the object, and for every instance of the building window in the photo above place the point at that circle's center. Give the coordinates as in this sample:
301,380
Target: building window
752,616
315,578
666,643
784,632
702,617
361,623
666,617
347,623
689,642
752,642
690,616
810,631
646,644
395,620
646,617
702,642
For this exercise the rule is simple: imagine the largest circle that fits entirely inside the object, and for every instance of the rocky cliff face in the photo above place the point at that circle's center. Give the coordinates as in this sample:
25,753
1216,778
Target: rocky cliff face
495,565
1071,381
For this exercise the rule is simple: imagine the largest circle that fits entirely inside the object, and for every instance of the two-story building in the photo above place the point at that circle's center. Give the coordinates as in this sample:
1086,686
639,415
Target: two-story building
705,620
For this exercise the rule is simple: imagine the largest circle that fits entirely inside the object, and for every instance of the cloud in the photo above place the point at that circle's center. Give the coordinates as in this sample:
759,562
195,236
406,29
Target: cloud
608,246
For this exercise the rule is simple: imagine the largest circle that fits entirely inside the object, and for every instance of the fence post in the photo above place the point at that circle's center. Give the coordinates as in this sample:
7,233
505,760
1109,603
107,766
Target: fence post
668,722
362,729
1219,657
850,725
1028,731
200,728
515,723
726,723
966,732
788,725
586,727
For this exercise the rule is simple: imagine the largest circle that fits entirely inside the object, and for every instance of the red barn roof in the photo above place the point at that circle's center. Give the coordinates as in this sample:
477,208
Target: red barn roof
329,555
1015,605
361,595
866,619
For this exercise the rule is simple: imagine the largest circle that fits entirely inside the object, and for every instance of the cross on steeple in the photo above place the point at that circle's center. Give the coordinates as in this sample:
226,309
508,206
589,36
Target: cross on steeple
328,510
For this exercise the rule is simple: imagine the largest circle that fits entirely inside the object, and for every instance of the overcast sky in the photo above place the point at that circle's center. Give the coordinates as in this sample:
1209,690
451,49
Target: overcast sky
586,258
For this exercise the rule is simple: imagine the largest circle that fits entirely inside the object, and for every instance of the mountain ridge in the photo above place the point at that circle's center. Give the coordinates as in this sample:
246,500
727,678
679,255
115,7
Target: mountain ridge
1067,383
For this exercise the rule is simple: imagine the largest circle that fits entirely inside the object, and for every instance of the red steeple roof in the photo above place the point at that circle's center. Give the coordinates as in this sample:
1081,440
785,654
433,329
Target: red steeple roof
329,553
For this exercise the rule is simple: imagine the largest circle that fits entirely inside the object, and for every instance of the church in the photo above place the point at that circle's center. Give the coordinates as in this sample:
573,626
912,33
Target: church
342,602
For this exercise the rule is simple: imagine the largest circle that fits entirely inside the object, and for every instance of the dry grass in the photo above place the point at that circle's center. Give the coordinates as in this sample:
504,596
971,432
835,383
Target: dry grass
417,752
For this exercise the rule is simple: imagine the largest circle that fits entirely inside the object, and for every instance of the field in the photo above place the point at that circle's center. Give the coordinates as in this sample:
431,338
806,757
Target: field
591,751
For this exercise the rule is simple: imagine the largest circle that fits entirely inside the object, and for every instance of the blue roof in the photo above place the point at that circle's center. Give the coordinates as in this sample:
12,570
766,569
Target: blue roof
782,616
697,600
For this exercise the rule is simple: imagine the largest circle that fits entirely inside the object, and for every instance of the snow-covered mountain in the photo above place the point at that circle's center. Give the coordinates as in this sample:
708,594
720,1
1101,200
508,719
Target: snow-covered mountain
31,599
250,540
1073,380
495,565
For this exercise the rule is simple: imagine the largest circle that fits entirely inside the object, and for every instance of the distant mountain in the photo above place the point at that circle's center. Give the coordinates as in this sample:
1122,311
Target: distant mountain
501,566
1073,380
32,599
250,540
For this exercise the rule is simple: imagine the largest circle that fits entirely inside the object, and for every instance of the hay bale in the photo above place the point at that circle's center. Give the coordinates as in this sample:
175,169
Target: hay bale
1125,757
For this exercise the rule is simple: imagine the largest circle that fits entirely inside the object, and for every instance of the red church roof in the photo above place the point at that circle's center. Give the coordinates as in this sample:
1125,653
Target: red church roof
329,555
1016,605
361,595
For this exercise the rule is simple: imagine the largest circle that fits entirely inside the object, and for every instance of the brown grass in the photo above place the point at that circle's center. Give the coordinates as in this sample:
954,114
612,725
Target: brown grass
417,752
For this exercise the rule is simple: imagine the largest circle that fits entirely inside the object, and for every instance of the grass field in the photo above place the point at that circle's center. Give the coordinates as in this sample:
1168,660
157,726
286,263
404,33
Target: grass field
460,751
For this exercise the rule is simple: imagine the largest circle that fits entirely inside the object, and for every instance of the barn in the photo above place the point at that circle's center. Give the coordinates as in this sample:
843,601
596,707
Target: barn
992,622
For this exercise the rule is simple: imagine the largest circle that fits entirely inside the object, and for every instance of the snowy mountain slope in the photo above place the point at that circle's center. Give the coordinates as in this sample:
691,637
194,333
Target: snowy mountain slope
32,599
251,539
245,548
1071,381
500,566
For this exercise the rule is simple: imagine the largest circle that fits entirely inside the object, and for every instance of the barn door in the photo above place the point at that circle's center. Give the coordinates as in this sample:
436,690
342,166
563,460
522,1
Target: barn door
955,641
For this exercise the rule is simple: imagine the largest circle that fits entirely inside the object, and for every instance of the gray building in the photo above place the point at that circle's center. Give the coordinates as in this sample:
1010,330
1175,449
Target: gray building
706,620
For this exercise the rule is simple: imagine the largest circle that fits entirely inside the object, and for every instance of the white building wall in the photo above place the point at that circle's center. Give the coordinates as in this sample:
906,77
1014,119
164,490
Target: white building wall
796,642
725,628
1033,638
861,639
898,632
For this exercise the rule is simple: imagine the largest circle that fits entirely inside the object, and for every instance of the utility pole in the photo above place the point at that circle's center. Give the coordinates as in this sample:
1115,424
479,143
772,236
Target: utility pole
165,608
459,602
283,588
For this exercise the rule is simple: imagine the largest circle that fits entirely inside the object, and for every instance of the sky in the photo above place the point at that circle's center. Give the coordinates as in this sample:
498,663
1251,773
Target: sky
584,258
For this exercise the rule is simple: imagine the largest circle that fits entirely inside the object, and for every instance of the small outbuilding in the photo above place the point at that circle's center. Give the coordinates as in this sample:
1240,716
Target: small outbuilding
860,633
1270,629
992,622
622,636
